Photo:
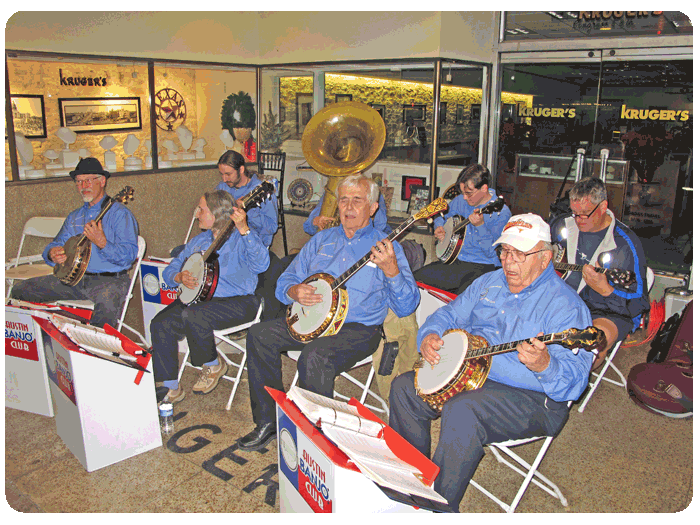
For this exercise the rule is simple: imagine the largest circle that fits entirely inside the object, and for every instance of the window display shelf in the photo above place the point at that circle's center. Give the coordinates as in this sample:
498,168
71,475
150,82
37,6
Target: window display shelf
555,166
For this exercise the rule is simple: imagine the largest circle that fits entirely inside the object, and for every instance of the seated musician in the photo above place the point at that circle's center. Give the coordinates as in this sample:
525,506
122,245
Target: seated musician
317,222
590,232
477,255
385,281
241,258
114,249
527,389
238,181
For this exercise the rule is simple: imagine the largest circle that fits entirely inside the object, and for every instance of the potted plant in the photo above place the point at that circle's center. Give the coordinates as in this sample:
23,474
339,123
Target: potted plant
238,115
271,131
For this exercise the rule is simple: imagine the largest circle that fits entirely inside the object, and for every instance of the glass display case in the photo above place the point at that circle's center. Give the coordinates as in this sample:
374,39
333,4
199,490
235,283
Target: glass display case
556,166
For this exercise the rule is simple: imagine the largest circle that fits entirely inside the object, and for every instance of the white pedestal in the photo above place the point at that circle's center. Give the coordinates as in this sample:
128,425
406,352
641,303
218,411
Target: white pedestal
315,476
27,174
101,414
110,161
199,155
132,164
69,158
26,378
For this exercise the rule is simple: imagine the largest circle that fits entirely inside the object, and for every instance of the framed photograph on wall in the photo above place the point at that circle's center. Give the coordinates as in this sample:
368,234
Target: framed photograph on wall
381,108
29,116
413,111
459,116
476,112
407,182
304,111
90,115
419,199
343,98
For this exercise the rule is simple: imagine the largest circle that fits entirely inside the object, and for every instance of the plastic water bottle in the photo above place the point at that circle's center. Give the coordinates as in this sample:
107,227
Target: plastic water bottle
165,412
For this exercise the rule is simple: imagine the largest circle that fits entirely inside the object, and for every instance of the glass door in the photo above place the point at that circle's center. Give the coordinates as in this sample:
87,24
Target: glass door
629,113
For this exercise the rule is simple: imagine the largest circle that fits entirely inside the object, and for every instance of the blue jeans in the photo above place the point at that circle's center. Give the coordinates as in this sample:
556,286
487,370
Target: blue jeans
471,420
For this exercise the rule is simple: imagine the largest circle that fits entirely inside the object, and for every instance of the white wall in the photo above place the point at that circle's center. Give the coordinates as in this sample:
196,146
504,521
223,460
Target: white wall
257,37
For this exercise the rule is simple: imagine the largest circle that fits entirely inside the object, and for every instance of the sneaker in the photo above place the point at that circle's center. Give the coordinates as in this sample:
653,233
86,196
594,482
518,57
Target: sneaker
174,396
209,377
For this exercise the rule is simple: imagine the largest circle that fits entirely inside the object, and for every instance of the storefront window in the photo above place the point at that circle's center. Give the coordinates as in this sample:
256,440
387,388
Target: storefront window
631,119
64,110
402,93
202,112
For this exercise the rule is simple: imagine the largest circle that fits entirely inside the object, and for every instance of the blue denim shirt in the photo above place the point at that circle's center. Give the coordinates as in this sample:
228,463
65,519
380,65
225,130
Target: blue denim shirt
379,220
241,259
370,292
477,247
121,230
261,219
488,308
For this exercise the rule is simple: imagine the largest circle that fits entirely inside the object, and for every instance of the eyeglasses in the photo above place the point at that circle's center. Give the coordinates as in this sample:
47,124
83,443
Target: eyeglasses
585,215
517,255
86,182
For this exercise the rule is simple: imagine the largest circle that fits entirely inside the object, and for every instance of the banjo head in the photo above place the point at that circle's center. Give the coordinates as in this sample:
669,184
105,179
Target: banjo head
195,265
430,379
312,318
445,247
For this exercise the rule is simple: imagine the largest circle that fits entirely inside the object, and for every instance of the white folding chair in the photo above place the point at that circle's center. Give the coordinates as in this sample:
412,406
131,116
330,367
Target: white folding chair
530,472
223,337
608,362
24,267
294,355
136,274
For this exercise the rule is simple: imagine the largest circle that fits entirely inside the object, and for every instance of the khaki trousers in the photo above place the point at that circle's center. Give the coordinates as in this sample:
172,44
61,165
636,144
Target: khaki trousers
405,331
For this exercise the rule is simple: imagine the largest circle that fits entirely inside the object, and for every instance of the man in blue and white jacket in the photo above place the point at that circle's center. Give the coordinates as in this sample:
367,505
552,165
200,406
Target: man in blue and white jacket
477,255
528,389
593,237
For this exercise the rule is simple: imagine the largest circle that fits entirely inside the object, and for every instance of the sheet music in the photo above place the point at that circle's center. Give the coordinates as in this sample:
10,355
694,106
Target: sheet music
92,338
376,461
317,407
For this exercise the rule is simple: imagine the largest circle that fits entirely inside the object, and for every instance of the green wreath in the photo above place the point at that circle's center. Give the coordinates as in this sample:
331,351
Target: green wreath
238,111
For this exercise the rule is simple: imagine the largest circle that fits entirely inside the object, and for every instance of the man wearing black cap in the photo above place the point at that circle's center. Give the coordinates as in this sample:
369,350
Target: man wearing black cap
114,249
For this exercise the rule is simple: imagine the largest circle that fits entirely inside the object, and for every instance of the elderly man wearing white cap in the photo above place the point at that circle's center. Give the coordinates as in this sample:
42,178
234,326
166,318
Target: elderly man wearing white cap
527,390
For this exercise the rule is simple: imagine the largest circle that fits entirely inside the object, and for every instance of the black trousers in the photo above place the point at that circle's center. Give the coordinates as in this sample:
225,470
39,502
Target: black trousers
267,284
107,294
455,277
470,421
320,362
197,323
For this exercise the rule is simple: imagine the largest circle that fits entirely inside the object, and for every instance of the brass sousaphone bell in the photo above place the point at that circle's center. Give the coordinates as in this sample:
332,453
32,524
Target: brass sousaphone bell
342,139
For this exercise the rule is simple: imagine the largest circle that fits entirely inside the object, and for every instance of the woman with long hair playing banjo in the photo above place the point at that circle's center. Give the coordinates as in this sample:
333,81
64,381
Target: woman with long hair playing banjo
229,277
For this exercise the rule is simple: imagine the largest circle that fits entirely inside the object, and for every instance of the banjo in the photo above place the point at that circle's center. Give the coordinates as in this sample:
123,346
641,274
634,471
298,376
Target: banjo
465,361
449,247
306,323
78,248
624,278
204,266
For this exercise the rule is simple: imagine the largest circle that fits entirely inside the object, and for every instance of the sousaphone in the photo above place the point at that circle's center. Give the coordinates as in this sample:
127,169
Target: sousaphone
340,140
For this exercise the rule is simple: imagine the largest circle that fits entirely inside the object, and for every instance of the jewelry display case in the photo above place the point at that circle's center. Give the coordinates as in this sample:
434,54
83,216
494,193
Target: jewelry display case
555,166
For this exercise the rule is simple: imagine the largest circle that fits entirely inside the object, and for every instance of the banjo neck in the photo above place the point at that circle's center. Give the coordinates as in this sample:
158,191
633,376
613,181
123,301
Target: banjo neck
509,347
490,207
577,268
340,281
106,205
250,200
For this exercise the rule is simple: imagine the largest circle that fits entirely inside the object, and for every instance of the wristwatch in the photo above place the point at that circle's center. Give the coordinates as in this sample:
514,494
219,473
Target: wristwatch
246,233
